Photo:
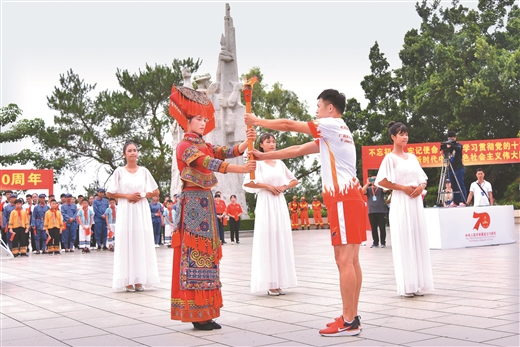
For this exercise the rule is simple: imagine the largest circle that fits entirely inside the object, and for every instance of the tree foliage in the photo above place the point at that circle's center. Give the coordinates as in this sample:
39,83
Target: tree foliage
93,128
15,129
460,71
274,103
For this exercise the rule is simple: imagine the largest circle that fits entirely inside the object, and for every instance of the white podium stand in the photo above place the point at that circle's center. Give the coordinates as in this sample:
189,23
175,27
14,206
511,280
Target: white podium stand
459,227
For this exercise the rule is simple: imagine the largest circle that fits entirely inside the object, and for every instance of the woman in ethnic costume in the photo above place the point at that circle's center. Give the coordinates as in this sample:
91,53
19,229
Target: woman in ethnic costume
196,295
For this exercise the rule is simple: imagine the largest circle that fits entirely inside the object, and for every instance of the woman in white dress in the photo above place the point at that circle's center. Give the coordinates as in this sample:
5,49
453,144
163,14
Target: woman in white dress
400,171
272,266
135,260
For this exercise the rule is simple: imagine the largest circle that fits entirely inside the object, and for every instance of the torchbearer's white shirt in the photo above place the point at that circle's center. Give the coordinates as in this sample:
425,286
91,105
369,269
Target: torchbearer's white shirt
338,157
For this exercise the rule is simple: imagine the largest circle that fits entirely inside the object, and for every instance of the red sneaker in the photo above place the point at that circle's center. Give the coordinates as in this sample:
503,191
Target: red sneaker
341,328
358,318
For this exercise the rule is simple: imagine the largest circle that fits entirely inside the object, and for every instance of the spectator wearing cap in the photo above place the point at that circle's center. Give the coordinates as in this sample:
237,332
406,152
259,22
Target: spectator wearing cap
6,214
304,213
447,196
69,211
19,226
294,207
316,212
4,202
100,205
53,226
111,218
63,200
456,175
37,220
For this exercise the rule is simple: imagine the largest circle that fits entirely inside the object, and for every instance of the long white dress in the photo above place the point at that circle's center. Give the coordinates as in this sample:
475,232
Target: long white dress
410,247
272,264
135,260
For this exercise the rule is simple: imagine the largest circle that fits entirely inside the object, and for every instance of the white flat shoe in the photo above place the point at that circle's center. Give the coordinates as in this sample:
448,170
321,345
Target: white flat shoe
130,289
269,292
281,292
418,293
139,289
408,295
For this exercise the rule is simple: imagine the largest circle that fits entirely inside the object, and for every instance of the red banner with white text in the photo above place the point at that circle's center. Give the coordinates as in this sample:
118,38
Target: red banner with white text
474,152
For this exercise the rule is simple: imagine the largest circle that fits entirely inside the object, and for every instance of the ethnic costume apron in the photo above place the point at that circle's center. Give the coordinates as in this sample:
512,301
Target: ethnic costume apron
196,295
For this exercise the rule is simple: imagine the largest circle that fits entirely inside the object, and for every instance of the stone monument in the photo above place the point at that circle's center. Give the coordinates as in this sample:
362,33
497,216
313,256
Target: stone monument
225,94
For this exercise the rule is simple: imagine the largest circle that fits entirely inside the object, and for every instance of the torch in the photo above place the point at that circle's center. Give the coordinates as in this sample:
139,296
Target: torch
248,95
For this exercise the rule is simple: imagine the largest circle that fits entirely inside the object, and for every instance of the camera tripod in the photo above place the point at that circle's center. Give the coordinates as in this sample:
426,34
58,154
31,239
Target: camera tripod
446,164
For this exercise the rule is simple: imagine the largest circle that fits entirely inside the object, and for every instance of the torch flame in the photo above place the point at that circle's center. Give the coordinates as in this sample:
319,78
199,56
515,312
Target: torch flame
248,84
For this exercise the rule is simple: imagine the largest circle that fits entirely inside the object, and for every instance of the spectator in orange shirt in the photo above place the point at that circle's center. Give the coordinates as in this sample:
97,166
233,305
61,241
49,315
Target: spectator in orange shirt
294,208
316,208
19,226
234,210
304,214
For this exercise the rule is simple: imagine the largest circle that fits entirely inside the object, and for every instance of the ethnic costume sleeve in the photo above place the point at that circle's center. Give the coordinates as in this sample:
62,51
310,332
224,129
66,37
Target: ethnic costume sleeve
196,161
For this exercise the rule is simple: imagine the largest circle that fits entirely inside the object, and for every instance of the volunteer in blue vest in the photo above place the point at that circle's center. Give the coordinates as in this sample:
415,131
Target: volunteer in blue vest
69,211
37,220
100,205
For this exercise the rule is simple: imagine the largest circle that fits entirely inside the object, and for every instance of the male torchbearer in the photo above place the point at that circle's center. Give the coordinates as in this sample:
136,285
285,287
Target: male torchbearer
341,194
100,205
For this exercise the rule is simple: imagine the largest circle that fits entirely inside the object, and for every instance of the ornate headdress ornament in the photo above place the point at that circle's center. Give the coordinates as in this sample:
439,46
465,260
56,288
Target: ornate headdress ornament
186,103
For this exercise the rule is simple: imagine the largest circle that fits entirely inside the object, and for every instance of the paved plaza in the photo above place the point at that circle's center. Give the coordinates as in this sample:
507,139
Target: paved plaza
67,300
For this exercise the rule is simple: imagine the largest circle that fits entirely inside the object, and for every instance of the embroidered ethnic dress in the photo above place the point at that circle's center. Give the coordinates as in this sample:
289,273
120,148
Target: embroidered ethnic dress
196,295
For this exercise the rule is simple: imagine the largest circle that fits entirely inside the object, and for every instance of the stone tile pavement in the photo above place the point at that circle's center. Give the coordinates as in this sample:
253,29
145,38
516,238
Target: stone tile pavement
67,301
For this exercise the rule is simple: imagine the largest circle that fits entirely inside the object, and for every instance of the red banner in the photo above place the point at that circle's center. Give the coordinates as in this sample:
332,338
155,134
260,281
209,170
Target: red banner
474,152
26,179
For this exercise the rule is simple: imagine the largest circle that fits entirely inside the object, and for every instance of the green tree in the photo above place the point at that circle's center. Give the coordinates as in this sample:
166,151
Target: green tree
460,71
93,128
14,129
276,102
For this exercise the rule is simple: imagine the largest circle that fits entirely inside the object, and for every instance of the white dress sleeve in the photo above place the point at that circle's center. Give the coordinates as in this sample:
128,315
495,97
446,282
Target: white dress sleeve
386,170
258,179
113,187
150,184
289,176
421,175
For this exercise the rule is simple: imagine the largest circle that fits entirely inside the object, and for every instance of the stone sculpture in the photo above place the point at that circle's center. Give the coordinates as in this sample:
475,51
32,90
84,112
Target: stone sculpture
225,94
